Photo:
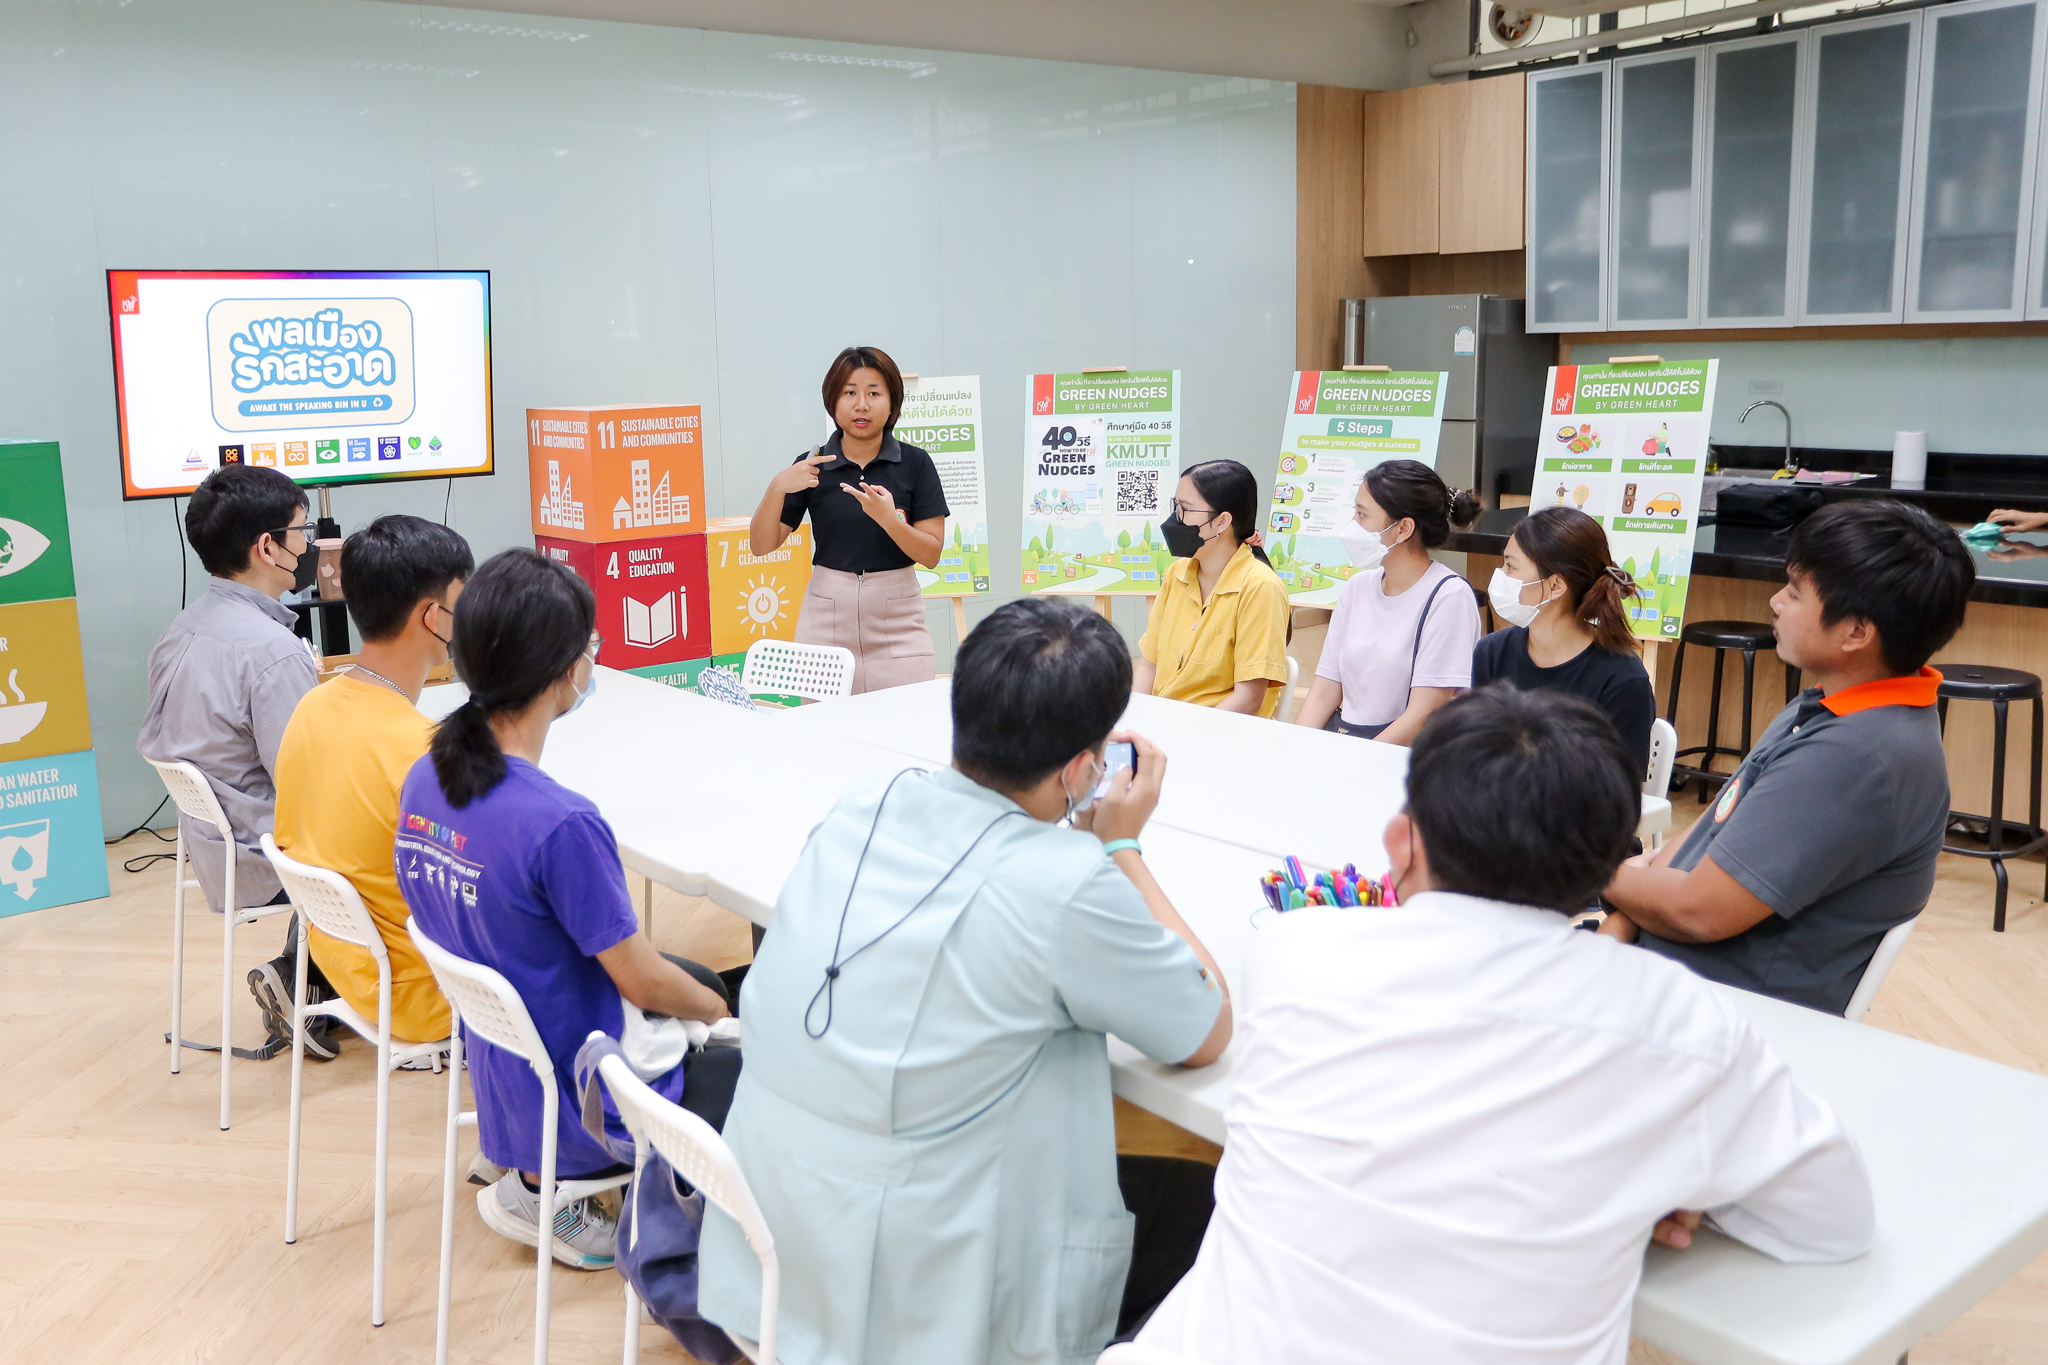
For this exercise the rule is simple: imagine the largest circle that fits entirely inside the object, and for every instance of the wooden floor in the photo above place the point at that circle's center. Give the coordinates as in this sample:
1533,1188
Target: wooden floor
136,1231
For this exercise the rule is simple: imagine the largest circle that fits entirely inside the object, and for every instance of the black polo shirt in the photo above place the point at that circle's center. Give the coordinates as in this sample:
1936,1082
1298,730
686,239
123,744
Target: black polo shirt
844,536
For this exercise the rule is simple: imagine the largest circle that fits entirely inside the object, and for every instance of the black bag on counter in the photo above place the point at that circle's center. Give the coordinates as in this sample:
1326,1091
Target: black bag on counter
1766,507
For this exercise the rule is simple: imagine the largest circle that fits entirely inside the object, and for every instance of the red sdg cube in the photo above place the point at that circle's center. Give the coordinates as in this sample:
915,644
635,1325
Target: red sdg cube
653,596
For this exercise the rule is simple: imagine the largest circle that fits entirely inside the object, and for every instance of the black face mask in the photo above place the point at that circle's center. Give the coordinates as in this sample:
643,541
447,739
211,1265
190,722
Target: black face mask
1182,540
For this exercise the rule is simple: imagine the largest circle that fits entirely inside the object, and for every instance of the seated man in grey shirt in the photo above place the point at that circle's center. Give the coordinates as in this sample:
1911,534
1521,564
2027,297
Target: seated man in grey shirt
226,675
1827,834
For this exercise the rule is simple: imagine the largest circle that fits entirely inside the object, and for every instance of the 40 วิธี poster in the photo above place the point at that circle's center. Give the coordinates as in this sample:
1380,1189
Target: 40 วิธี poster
1101,458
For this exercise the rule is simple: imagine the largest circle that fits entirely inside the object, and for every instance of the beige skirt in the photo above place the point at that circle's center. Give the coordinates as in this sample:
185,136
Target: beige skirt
879,616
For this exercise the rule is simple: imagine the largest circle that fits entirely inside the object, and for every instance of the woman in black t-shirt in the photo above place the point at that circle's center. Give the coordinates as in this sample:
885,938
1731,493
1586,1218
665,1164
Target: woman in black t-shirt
876,509
1569,630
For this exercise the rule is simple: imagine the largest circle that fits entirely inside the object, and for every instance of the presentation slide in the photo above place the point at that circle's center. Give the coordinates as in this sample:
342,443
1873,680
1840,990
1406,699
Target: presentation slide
330,376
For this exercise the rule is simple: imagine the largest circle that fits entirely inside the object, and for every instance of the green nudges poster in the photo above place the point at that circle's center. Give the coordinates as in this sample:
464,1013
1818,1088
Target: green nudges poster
1101,458
1627,445
1340,423
942,414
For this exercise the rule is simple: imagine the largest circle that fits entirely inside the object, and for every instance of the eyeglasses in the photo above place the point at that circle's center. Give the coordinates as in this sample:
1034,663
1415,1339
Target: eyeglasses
596,643
1188,514
304,528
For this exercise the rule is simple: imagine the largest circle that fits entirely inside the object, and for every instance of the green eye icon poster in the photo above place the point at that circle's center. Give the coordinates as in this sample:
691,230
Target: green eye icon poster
1340,423
1627,445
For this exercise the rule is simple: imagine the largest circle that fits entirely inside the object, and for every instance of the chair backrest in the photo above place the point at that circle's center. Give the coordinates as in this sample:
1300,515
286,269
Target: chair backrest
813,672
486,1002
193,795
327,899
1663,753
701,1157
1880,963
1289,703
1131,1353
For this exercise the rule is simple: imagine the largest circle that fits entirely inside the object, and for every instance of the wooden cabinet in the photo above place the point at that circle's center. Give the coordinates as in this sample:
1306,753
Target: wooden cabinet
1443,168
1402,131
1479,176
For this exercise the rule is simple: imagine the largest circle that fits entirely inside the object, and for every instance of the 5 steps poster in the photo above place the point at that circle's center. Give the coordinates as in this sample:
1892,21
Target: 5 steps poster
1627,445
1340,423
1101,458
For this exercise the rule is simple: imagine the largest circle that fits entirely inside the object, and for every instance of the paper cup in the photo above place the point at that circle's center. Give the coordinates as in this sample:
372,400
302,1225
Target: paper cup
330,568
1909,459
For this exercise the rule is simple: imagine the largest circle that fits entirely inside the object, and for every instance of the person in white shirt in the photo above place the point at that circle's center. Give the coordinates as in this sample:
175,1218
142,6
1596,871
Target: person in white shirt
1400,642
1455,1125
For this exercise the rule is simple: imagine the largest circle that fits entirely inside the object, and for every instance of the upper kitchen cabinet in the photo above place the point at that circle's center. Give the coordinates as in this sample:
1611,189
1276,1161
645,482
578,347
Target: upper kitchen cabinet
1567,197
1977,138
1752,133
1479,176
1858,105
1402,139
1653,271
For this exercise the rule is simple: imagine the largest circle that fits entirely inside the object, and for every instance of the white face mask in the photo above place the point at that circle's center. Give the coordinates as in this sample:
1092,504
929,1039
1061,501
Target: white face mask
1085,802
1506,596
1365,547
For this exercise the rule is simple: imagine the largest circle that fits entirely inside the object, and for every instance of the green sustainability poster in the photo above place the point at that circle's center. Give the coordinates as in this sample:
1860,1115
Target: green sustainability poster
1627,445
1340,423
1101,458
942,414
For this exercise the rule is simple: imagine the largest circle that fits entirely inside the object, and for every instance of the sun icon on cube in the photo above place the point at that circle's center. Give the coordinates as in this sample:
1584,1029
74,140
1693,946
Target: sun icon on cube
763,606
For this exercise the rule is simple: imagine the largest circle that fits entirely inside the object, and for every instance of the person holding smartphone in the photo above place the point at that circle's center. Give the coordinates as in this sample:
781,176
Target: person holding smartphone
876,508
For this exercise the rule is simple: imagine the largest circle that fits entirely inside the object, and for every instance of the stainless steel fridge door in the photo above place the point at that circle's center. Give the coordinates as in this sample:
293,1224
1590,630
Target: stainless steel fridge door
1429,332
1457,455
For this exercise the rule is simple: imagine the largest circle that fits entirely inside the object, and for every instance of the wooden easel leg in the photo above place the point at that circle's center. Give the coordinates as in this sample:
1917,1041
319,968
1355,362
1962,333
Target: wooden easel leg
959,620
1103,602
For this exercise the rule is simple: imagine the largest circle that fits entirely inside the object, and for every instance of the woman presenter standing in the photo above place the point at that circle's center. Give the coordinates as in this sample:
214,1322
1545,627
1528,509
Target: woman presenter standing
876,507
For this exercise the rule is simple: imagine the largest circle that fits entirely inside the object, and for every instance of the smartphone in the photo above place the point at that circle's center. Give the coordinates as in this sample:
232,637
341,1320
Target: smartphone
1117,754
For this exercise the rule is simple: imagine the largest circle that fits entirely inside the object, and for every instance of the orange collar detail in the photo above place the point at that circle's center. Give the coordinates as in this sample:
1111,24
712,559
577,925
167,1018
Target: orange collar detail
1918,690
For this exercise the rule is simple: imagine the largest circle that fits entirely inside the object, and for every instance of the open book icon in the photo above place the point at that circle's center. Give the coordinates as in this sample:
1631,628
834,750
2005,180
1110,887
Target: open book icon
652,623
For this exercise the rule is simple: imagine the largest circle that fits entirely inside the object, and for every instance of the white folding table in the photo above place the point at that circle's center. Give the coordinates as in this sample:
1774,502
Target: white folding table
710,799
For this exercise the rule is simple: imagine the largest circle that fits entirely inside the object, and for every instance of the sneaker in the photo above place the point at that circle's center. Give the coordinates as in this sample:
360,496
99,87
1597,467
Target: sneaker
433,1061
484,1171
585,1236
274,999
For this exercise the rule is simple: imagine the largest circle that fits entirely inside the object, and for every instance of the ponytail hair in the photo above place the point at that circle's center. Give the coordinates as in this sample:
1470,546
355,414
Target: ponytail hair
1566,542
521,623
1411,489
1229,487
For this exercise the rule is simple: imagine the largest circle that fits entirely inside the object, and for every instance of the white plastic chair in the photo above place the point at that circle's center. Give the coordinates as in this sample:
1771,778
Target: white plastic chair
1663,752
1289,703
1131,1353
1881,961
481,999
194,797
330,904
813,672
701,1157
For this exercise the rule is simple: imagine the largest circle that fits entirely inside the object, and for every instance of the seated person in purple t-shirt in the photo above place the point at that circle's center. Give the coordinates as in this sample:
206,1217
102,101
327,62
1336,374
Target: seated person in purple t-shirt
502,865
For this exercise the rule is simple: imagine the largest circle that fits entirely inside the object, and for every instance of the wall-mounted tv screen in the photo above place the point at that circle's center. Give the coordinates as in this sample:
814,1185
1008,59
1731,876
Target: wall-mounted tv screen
331,376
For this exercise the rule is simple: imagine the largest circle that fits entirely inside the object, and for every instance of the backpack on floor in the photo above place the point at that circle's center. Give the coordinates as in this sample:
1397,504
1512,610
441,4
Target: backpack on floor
659,1224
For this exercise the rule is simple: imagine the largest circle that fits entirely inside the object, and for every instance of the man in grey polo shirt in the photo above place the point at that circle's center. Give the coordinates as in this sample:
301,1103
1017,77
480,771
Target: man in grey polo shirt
228,672
1827,834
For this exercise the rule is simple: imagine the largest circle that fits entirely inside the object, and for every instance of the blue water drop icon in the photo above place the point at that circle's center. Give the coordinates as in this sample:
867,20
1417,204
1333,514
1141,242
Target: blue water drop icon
22,862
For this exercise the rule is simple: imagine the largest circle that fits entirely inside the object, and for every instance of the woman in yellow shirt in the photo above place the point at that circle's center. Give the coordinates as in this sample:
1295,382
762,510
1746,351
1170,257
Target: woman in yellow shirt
1218,632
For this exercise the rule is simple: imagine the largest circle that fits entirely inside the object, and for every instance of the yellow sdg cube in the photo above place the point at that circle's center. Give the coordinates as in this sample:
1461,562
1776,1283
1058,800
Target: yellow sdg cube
754,597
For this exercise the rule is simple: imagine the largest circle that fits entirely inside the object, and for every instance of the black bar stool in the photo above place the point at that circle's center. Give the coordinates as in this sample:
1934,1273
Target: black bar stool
1721,636
2001,687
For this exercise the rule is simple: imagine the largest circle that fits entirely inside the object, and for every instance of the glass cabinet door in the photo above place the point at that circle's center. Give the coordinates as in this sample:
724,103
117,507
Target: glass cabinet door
1656,112
1860,103
1974,159
1567,197
1751,133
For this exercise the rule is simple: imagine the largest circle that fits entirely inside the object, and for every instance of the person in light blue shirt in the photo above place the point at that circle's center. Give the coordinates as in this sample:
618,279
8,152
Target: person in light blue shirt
925,1113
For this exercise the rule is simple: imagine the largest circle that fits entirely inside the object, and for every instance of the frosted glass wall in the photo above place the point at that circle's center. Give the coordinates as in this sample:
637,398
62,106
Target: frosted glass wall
667,214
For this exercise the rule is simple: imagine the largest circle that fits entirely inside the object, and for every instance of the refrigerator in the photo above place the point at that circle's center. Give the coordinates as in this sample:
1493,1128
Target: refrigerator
1493,411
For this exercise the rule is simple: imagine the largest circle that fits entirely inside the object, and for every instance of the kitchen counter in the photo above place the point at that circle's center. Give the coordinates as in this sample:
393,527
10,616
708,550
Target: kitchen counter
2014,573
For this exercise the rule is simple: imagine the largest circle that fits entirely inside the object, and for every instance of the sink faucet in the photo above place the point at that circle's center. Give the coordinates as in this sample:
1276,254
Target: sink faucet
1790,468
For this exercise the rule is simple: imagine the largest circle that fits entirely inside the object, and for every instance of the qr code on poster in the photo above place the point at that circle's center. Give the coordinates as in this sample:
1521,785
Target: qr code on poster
1137,492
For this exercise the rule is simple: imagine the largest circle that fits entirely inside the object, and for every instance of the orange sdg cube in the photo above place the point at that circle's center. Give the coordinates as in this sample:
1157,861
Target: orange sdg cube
626,471
754,597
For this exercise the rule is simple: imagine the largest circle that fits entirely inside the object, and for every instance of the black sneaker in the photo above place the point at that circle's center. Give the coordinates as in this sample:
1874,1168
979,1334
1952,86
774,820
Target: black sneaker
274,998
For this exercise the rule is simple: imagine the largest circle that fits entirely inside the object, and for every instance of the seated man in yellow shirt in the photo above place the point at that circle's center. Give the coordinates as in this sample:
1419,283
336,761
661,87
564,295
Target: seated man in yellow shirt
1218,630
344,756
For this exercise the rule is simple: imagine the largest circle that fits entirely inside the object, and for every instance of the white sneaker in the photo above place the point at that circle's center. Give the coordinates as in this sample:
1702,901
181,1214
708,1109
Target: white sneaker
585,1236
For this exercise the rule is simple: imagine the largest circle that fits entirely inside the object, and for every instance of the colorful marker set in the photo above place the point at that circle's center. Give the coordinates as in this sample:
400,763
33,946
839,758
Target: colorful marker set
1292,887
